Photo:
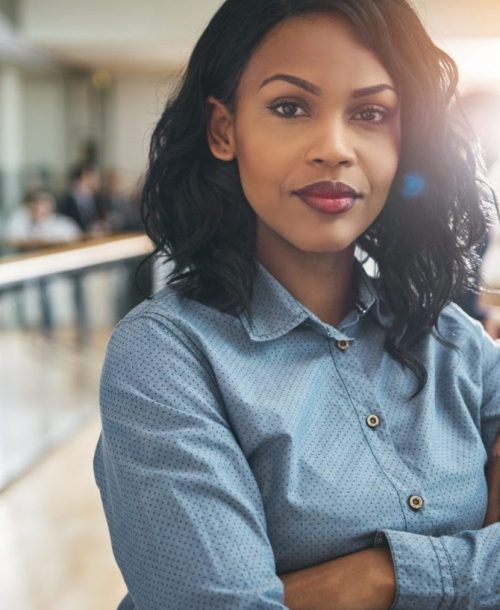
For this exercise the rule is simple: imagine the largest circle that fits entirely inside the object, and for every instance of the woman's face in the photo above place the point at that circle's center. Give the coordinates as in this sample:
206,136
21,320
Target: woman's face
301,118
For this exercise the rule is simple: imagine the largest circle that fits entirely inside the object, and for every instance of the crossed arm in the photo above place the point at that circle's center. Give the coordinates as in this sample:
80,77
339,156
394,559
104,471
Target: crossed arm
150,419
366,580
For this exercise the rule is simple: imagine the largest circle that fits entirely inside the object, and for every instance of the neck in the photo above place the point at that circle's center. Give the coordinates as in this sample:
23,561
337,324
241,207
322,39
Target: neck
321,282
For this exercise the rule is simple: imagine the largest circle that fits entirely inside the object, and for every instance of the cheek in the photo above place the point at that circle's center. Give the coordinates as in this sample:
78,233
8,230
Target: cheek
382,167
264,163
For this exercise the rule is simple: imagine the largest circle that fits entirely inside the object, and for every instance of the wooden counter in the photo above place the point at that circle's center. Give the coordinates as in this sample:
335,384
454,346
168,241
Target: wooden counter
15,269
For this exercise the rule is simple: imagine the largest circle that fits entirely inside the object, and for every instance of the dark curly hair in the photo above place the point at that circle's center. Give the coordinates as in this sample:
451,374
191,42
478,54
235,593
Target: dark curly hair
424,241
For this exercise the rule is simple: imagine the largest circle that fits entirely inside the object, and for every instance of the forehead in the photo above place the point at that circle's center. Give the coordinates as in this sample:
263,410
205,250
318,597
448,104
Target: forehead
324,48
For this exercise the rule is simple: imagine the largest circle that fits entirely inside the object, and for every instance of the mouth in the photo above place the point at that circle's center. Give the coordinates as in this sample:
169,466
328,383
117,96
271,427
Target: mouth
330,197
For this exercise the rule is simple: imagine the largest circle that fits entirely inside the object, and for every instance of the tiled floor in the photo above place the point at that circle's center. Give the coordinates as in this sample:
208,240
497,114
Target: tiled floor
55,552
48,388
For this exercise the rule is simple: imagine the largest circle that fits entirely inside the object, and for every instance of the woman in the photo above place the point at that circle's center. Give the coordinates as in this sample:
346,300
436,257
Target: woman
279,428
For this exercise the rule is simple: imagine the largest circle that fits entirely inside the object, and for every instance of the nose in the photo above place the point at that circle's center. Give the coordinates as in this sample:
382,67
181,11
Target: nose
332,144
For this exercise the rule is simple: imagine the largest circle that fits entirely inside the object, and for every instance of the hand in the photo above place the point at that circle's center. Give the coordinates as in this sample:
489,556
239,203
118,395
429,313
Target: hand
493,478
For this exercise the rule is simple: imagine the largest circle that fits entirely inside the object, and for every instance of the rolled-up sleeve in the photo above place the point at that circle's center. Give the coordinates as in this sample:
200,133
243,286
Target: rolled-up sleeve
460,571
184,511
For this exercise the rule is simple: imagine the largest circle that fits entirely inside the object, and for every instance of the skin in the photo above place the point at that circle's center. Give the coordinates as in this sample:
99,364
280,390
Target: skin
330,136
360,581
42,208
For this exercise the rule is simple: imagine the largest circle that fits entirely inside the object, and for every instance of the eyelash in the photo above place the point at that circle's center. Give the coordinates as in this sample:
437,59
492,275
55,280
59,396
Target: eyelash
386,114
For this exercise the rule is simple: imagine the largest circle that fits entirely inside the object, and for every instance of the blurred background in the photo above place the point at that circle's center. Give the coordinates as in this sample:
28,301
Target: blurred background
82,84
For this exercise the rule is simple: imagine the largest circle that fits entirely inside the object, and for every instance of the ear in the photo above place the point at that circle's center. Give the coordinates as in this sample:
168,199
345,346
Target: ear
220,129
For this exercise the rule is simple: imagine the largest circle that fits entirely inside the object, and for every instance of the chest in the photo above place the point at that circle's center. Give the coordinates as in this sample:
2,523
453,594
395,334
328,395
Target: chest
338,450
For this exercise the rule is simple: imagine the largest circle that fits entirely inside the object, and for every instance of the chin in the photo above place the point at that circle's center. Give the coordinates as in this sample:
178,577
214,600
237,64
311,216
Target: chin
326,244
326,248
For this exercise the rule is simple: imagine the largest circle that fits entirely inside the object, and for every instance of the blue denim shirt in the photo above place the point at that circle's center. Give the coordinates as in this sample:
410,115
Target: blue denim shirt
237,448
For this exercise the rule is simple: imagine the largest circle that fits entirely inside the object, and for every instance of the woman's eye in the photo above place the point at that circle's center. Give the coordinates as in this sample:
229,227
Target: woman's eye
288,109
373,115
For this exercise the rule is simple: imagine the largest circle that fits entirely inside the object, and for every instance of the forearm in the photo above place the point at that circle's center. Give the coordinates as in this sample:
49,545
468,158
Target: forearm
364,580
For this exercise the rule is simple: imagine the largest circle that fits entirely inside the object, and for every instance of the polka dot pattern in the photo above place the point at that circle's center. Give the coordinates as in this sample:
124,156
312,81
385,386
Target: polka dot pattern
238,448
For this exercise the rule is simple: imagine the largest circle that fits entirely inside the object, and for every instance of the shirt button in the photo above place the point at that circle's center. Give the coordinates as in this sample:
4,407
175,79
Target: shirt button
415,502
373,421
342,345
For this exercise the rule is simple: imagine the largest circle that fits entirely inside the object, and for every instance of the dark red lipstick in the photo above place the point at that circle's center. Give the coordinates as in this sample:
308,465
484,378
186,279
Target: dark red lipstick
328,196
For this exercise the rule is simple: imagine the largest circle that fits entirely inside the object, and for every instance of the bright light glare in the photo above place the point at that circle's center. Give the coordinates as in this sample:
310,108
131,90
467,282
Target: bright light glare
478,60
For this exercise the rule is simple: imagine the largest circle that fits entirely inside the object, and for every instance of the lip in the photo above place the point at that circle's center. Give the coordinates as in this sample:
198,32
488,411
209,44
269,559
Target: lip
328,196
328,189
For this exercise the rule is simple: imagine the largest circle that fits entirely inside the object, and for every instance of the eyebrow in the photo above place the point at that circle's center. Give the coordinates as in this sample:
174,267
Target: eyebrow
314,89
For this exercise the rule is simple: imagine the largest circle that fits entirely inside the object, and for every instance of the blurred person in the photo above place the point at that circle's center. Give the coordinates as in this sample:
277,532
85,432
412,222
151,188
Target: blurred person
116,201
280,429
36,225
83,201
124,216
481,109
89,151
134,220
84,204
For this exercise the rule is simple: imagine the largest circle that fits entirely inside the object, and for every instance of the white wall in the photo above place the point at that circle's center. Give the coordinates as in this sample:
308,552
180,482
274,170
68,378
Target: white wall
115,21
44,110
460,18
58,114
136,105
178,23
11,133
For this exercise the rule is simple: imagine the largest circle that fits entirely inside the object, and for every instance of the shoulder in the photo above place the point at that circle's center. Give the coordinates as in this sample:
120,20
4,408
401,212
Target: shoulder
155,354
454,318
170,308
62,227
181,323
68,223
467,334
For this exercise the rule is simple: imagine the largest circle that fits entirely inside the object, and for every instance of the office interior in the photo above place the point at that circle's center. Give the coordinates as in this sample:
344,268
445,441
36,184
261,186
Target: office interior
82,84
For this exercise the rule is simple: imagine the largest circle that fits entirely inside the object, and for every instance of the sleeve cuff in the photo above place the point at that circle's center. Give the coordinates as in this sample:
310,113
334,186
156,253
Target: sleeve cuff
423,570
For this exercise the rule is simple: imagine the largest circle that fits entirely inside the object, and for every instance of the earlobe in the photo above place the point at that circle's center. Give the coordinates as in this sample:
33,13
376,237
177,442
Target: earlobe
219,129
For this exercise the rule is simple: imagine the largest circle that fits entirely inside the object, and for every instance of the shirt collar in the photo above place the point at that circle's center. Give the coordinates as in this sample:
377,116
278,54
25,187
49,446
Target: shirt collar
274,311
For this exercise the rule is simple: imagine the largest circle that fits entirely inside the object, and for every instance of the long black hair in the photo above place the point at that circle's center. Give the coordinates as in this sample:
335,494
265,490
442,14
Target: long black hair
424,240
